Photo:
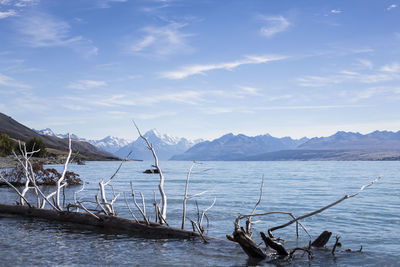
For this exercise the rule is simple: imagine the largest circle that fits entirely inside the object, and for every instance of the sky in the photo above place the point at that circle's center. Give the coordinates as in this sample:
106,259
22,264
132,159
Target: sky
201,69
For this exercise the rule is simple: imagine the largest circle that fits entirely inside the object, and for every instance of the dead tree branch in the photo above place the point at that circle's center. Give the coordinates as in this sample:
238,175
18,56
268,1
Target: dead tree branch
142,211
162,179
61,179
323,208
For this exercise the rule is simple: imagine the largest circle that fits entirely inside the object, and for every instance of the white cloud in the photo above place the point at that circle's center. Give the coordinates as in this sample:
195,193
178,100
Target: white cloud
366,63
318,81
247,90
131,100
10,82
86,84
391,7
107,3
162,41
6,14
18,3
76,107
392,68
307,107
190,70
386,73
336,11
275,25
43,30
150,116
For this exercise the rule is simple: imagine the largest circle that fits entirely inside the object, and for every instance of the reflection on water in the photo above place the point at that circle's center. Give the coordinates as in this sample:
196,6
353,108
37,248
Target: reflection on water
371,219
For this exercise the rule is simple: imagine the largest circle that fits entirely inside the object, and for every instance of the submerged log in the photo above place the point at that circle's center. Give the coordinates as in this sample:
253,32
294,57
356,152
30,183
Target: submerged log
278,247
322,239
113,223
247,244
151,171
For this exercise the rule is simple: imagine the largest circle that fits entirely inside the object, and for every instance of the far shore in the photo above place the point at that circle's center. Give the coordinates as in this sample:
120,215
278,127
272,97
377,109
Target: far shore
11,162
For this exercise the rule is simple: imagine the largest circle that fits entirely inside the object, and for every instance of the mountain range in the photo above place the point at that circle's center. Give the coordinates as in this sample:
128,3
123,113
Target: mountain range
237,147
378,145
19,131
110,144
165,145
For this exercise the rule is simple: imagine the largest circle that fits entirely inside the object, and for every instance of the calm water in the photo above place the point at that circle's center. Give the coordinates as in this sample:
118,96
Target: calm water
371,219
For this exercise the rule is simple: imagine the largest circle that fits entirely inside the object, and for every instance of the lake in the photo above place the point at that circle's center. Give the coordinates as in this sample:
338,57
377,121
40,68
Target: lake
370,220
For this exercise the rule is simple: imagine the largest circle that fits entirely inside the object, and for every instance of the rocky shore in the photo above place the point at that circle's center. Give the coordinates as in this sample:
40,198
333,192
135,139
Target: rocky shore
7,162
11,162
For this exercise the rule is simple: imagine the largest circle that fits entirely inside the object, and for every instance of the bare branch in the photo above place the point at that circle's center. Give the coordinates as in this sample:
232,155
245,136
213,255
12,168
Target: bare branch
200,232
60,180
16,190
130,210
75,194
185,198
162,179
269,213
137,205
203,213
323,208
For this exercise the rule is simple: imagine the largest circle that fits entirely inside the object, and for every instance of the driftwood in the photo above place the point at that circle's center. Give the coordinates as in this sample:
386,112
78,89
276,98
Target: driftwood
244,237
111,223
278,247
99,213
247,244
151,171
322,239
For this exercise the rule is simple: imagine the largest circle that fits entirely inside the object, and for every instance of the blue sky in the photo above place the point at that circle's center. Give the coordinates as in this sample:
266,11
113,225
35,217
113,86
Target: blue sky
200,69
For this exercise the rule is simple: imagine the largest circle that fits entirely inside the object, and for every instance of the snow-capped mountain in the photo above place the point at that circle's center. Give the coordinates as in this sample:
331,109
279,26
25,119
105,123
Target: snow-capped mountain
50,132
110,143
237,147
165,145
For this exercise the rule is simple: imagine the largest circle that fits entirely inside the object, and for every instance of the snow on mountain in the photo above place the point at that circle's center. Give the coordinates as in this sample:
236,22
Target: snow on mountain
50,132
110,143
165,145
46,131
236,147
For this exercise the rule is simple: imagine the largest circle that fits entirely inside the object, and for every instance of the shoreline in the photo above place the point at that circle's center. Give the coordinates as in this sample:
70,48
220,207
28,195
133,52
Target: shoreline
11,162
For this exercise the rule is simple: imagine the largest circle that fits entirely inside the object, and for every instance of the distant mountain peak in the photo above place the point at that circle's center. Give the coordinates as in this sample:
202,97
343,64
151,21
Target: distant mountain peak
165,145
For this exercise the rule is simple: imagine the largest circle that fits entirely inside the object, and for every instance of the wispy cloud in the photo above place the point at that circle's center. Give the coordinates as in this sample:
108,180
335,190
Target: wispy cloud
86,84
10,82
186,97
107,3
6,14
275,25
190,70
150,116
391,7
366,63
247,90
336,11
308,107
390,72
392,68
43,30
162,41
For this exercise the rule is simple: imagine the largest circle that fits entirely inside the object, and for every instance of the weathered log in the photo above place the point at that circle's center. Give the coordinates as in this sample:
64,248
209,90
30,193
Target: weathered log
113,223
278,247
151,171
247,244
322,239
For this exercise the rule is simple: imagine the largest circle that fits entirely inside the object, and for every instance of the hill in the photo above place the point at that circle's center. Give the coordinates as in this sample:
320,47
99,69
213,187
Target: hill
18,131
